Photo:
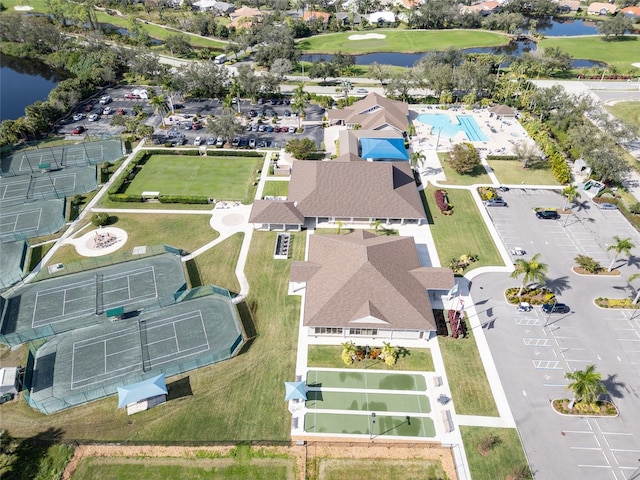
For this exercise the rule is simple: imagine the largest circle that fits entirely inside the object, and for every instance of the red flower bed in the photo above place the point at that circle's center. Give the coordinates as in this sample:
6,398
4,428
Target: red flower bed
442,201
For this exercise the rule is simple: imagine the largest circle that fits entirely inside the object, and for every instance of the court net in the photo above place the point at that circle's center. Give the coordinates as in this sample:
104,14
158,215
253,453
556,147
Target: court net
144,348
99,294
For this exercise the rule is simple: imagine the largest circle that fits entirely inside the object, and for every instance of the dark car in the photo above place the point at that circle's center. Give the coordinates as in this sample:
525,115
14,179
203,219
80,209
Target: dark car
555,308
88,107
496,202
548,215
244,142
6,397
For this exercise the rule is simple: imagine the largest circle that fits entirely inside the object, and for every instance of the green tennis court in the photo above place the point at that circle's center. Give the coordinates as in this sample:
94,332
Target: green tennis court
368,380
366,401
380,426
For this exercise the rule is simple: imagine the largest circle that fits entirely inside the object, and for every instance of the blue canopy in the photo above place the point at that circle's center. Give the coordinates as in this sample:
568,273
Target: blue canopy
295,391
139,391
384,148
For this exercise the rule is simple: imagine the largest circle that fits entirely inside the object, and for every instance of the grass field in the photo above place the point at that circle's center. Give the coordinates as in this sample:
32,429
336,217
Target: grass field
621,53
222,178
238,399
407,41
351,468
628,112
217,265
502,460
275,188
463,232
328,356
479,174
511,172
468,381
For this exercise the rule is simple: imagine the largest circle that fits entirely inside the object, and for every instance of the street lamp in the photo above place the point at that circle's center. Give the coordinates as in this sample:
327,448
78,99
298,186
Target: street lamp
438,139
546,320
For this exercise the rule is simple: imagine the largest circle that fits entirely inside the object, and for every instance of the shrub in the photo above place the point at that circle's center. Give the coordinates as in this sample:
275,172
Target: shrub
588,263
100,219
442,200
182,199
487,443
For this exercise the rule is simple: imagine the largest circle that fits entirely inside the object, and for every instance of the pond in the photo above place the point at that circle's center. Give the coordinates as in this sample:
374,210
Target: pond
560,27
23,82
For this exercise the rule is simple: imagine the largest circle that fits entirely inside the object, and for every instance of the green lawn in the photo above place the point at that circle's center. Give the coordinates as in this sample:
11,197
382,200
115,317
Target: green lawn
502,460
618,53
461,233
238,399
413,359
222,178
479,174
217,265
468,381
628,112
354,468
116,468
511,172
276,188
402,41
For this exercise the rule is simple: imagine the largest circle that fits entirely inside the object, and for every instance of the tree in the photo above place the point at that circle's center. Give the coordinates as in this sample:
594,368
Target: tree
177,44
159,105
100,219
225,125
631,278
622,245
527,153
301,148
281,67
299,103
322,69
417,159
616,26
586,385
531,270
588,263
464,158
389,353
571,192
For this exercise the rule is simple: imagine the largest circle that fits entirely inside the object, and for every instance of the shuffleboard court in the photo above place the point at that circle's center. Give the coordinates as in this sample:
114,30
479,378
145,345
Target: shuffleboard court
76,299
369,380
368,401
108,357
363,424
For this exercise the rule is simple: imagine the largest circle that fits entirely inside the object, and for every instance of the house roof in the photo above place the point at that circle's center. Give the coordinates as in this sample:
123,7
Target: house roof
355,189
275,212
631,11
311,14
503,110
597,7
364,280
135,392
375,17
573,5
373,111
245,15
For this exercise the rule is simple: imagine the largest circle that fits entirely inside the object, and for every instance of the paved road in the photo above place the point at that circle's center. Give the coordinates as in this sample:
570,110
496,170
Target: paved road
532,350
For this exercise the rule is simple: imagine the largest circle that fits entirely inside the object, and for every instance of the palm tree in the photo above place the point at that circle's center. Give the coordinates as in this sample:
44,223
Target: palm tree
340,225
631,279
586,385
417,159
532,270
300,98
622,245
571,192
159,106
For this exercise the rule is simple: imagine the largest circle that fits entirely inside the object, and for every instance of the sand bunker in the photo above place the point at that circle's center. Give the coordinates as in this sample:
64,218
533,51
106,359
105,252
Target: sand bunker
23,8
637,64
367,36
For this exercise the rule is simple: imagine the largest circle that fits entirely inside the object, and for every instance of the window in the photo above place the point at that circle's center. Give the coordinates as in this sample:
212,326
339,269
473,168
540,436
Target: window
328,331
370,332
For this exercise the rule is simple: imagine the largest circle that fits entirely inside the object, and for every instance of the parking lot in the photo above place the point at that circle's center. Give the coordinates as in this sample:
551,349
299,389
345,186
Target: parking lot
180,127
533,350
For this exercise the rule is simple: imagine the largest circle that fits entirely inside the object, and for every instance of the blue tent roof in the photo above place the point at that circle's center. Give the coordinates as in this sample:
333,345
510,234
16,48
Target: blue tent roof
295,391
139,391
389,148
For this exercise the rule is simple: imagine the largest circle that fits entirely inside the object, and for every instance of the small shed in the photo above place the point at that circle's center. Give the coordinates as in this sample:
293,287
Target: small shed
144,395
8,380
503,111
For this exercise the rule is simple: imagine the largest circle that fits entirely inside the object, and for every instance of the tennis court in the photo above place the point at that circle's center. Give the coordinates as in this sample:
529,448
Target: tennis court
368,380
32,220
368,401
376,427
90,363
82,154
78,300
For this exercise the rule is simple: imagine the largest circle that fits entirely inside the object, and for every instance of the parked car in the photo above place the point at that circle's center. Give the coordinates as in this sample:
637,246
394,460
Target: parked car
107,111
607,206
220,142
197,141
132,96
105,99
252,142
262,144
6,397
518,252
276,128
211,141
235,142
524,307
254,128
292,129
77,117
268,129
362,90
261,128
121,111
287,113
78,130
273,101
244,142
253,113
88,107
495,202
548,215
555,308
93,117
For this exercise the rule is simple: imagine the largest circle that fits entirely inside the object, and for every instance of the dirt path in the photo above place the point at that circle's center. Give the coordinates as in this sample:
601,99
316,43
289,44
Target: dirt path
303,454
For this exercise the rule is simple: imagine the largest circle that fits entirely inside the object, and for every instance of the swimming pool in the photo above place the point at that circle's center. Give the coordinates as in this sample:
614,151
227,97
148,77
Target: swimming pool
441,124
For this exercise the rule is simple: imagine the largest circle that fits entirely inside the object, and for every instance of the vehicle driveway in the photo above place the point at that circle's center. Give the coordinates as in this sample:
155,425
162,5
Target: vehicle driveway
532,350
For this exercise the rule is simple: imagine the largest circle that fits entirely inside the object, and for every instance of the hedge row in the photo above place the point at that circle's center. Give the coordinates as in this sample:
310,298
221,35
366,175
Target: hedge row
182,199
502,157
542,136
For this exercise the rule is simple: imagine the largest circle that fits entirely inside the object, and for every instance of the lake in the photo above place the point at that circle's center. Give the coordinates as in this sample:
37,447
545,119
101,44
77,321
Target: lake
23,82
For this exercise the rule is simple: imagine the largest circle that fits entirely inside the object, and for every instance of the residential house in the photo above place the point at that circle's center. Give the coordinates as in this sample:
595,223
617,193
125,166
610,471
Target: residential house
245,15
364,285
385,18
601,8
311,15
373,112
345,19
566,6
631,12
214,5
484,8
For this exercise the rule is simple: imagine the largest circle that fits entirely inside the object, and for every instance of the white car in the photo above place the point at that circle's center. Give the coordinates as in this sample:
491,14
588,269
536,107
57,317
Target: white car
105,99
362,90
77,117
197,141
93,117
107,111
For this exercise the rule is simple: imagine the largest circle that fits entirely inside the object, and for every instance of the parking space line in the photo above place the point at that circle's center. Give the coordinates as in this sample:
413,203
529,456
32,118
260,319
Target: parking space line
537,342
